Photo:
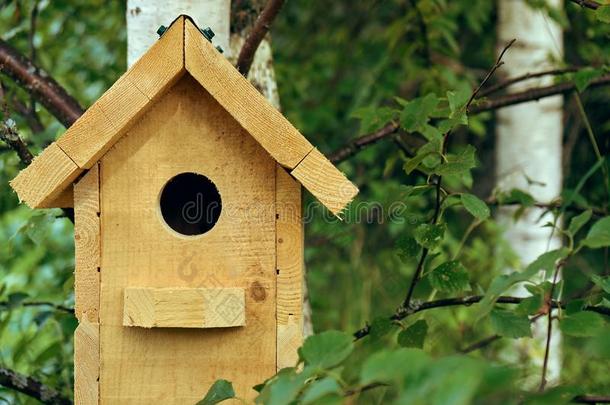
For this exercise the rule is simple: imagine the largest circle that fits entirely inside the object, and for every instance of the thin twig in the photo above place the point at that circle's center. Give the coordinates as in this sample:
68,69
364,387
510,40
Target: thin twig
402,313
31,387
592,4
533,94
549,326
510,81
256,35
481,344
57,307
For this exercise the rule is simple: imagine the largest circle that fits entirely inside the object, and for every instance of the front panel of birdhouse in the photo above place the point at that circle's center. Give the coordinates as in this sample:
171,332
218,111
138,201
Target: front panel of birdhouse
188,255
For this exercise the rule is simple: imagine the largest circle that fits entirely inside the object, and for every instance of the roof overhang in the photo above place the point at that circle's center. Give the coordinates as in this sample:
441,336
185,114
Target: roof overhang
181,49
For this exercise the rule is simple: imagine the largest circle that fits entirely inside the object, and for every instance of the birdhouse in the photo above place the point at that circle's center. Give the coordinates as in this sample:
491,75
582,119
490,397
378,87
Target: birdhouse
186,188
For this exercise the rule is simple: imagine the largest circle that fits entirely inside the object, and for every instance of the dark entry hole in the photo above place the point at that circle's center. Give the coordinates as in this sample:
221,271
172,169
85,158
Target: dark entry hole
190,204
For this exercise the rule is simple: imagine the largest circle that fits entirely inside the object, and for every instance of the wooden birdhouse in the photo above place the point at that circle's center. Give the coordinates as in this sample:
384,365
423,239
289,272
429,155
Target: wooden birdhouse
186,188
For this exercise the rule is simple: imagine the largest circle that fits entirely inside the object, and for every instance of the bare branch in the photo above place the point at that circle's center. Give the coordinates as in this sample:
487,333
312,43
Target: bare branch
592,4
510,81
57,307
39,84
354,147
31,387
256,35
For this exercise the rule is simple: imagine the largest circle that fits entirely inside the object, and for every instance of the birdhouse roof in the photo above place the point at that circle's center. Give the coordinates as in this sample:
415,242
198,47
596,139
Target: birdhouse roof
182,49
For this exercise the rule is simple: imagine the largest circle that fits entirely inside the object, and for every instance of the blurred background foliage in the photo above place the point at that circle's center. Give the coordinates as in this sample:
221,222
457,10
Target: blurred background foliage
339,66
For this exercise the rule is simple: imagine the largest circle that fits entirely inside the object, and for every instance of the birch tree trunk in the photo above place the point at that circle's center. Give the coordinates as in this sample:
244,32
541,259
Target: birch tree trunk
144,18
528,151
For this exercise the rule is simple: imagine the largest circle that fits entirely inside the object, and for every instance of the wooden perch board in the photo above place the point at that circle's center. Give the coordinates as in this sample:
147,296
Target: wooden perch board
184,307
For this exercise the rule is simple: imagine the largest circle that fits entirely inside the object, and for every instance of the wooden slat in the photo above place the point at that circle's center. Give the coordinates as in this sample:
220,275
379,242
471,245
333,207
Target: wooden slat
186,131
162,64
111,116
253,112
325,182
86,363
289,248
64,200
49,174
184,307
87,246
103,123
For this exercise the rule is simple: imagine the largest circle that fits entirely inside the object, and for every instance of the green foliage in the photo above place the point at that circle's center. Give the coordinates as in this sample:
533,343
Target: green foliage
510,323
429,236
582,324
218,392
475,206
326,349
599,234
450,277
414,335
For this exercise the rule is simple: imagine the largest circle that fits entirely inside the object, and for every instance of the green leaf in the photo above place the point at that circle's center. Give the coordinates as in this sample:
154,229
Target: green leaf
603,13
579,221
319,389
380,327
407,247
429,236
510,324
501,283
450,277
416,113
602,282
414,335
599,234
458,164
283,388
582,324
373,118
475,206
16,298
389,366
327,349
585,76
218,392
516,196
414,162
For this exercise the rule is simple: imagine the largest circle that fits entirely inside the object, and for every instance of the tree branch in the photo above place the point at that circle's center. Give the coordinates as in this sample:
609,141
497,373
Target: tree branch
402,313
39,84
592,4
31,387
510,81
534,94
256,35
57,307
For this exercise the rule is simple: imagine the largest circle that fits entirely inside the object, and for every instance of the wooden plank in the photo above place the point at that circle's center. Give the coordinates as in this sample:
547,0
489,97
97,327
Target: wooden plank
235,93
64,200
186,131
184,307
86,363
162,64
325,182
49,174
90,137
289,250
110,117
87,246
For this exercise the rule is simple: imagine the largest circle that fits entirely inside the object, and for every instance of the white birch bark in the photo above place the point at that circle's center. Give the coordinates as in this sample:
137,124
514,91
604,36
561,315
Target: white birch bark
528,152
145,16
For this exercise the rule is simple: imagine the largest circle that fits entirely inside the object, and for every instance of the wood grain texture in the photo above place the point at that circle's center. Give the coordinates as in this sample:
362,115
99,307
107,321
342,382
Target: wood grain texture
290,262
110,117
64,200
162,64
87,246
86,363
186,131
318,175
49,174
253,112
184,307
